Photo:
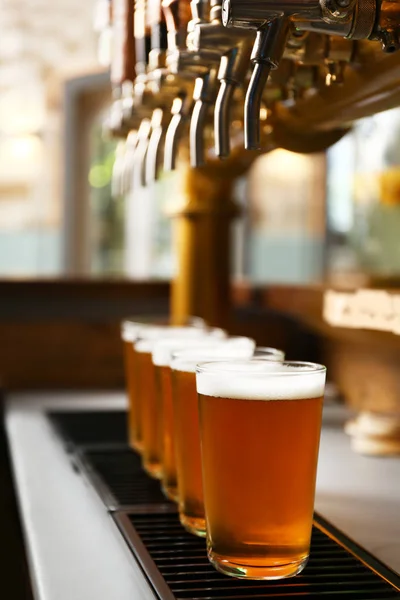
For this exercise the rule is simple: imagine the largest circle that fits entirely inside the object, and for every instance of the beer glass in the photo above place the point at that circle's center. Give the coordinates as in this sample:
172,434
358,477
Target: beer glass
187,435
161,356
130,330
260,427
148,393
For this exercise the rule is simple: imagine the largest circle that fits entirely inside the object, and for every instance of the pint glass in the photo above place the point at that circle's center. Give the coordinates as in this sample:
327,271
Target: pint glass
187,435
260,427
162,356
149,392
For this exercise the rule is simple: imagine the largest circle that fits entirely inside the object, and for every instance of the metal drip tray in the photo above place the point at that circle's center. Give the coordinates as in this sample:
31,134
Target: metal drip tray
118,477
176,564
88,428
173,561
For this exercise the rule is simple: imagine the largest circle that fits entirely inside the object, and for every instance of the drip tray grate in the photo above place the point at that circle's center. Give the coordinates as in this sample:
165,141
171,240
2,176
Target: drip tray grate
176,564
119,478
88,428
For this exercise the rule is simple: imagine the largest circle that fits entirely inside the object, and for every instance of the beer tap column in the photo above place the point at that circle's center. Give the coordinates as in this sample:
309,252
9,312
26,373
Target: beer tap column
202,239
203,208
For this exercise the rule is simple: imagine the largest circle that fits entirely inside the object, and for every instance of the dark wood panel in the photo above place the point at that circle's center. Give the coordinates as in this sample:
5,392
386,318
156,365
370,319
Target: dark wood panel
89,299
66,333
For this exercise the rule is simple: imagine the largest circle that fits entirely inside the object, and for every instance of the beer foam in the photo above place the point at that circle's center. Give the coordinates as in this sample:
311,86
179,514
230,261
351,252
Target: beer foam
163,349
235,347
151,335
271,353
130,330
261,379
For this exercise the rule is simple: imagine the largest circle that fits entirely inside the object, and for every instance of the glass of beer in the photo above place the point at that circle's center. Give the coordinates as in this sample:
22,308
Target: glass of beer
130,331
260,427
187,433
162,356
148,392
129,335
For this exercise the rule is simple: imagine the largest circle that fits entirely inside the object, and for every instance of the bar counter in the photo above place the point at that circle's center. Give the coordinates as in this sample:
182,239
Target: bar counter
75,549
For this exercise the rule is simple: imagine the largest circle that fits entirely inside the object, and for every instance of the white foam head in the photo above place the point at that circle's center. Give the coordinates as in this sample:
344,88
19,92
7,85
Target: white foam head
271,353
260,379
235,347
163,350
151,335
131,330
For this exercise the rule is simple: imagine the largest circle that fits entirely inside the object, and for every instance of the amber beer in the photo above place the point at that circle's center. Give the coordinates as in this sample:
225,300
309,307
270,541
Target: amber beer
130,330
149,392
260,430
134,420
169,475
187,434
162,355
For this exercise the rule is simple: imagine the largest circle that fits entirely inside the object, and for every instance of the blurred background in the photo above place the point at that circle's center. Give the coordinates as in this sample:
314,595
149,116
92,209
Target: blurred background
58,213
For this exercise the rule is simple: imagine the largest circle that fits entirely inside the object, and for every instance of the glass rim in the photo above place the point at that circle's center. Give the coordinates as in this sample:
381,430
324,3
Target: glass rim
269,349
314,368
215,343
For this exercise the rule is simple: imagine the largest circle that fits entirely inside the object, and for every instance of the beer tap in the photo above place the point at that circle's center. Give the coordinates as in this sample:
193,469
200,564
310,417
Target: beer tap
177,16
141,106
267,51
181,109
139,154
204,96
122,64
235,47
162,87
274,20
194,67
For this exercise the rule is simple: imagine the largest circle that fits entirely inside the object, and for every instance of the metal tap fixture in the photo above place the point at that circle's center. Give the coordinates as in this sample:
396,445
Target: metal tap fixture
234,49
181,111
139,154
204,96
274,20
197,68
154,157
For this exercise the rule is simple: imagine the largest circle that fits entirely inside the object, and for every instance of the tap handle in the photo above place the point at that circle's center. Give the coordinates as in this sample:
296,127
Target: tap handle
123,52
155,20
177,15
142,32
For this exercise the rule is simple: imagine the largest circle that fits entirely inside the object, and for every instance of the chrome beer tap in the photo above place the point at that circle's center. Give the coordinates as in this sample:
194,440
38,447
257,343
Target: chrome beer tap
275,20
234,47
197,68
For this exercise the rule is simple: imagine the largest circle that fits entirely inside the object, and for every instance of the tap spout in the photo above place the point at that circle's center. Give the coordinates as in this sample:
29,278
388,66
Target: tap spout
252,105
139,157
196,136
173,135
222,118
204,95
154,150
268,49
